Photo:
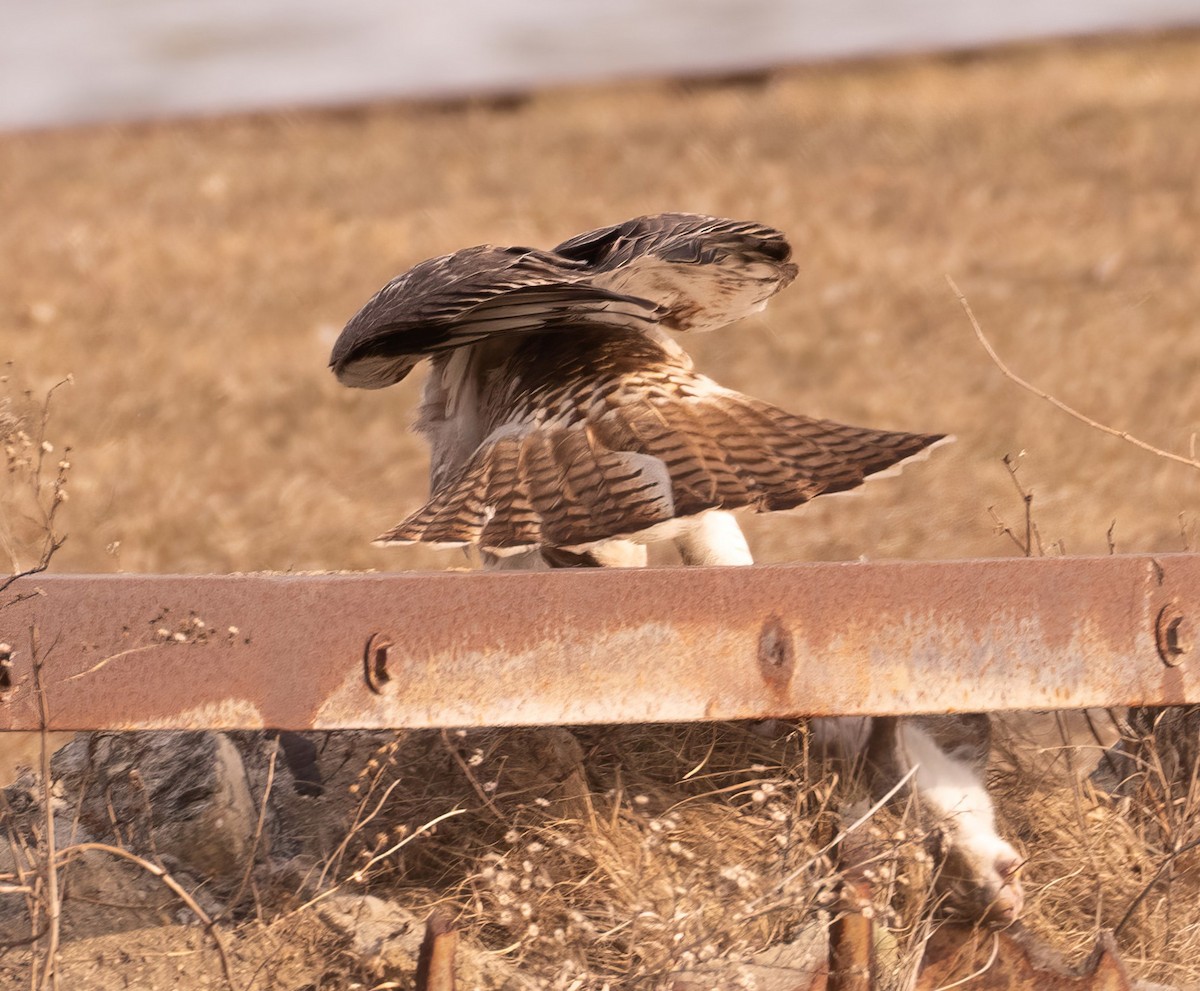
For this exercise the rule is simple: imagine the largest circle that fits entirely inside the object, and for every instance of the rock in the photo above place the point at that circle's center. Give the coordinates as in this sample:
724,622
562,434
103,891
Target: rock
181,796
794,966
384,936
387,940
99,892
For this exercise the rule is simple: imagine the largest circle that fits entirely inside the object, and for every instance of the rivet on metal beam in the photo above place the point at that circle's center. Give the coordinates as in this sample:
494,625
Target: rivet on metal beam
375,661
776,654
6,653
1172,634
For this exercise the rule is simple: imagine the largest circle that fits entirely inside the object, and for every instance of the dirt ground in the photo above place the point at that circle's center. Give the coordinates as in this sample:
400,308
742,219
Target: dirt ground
192,276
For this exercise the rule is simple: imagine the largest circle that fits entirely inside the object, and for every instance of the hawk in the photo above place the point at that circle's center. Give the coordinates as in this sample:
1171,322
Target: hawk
567,426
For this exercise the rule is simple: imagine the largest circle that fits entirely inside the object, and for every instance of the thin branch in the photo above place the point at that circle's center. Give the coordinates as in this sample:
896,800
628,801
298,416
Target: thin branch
356,826
51,540
170,882
53,901
116,657
452,750
1191,462
1167,861
357,875
846,831
258,831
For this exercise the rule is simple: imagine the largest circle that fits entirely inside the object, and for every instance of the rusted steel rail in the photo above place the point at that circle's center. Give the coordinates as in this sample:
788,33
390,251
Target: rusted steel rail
374,650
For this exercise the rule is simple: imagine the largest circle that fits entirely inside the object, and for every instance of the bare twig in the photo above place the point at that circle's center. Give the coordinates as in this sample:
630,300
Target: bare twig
435,962
848,830
179,891
48,510
452,750
53,902
1167,862
360,873
258,830
1191,462
1032,536
358,824
116,657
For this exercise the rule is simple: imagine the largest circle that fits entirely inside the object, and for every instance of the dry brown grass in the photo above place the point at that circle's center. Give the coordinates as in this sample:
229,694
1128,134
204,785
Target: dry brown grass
192,276
624,856
1121,858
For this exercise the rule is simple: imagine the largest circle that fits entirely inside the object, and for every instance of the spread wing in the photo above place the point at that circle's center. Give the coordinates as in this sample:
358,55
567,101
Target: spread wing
461,298
704,272
684,271
637,467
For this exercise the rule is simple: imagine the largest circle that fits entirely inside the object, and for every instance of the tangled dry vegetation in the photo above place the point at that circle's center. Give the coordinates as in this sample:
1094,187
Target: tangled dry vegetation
192,275
656,857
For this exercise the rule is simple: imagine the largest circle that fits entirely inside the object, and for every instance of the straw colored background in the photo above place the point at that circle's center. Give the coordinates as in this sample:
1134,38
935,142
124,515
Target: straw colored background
192,276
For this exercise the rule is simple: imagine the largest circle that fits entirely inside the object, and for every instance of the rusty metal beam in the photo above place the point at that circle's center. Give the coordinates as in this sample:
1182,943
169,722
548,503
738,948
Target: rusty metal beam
291,651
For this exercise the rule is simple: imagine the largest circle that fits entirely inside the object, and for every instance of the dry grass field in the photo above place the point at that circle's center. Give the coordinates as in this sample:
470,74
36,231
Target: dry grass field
192,276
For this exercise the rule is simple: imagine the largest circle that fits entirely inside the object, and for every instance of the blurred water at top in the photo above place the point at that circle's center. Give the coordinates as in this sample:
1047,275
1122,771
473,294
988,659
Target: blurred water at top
70,61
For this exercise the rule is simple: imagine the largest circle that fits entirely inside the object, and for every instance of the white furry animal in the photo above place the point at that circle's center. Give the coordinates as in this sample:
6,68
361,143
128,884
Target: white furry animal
947,758
567,428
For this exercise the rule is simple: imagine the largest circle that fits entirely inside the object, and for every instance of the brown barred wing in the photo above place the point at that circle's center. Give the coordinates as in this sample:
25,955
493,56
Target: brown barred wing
640,465
548,488
459,299
703,272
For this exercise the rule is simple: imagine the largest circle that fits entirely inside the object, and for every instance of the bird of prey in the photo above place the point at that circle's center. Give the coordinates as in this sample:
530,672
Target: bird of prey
567,426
